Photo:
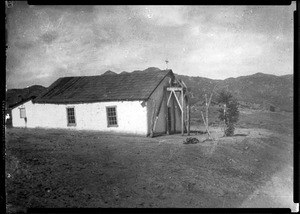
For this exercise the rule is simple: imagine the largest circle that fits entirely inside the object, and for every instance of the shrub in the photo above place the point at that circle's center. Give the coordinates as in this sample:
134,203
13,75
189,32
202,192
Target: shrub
229,113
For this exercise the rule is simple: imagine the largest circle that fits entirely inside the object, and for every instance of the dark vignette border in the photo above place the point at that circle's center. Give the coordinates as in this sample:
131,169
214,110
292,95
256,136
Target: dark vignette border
3,107
296,104
169,210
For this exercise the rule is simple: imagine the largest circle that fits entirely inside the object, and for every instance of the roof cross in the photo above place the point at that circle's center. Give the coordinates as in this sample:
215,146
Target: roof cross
167,63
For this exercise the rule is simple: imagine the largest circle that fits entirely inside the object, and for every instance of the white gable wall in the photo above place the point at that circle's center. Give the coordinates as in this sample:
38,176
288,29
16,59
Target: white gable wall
154,100
15,114
131,116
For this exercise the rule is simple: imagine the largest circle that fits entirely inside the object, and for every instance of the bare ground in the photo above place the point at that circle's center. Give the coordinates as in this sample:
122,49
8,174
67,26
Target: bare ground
58,168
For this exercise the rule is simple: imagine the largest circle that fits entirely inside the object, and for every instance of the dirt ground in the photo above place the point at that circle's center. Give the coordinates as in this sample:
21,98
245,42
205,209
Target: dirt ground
58,168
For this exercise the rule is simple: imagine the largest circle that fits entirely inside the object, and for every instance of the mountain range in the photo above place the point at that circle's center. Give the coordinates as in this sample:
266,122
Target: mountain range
256,89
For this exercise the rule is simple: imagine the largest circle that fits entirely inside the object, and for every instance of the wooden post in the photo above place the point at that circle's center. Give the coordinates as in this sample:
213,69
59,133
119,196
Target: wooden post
166,112
152,120
169,98
173,115
188,117
178,102
167,121
168,103
206,112
186,120
182,119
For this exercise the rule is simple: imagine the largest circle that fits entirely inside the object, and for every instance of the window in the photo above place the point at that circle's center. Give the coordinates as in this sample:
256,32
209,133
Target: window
111,116
22,113
71,116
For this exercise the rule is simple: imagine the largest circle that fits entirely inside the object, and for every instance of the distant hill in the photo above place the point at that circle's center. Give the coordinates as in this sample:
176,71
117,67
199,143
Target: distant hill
109,72
14,96
253,89
257,88
150,69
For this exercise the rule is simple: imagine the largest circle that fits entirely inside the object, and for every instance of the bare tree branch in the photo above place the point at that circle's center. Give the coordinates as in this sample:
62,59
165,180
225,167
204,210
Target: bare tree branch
206,126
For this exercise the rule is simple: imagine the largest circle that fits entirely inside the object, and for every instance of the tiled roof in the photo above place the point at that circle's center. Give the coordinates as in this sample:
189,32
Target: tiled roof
137,85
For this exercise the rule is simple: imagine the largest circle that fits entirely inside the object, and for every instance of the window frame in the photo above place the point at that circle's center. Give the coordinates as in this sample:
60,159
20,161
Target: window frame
107,117
22,108
71,124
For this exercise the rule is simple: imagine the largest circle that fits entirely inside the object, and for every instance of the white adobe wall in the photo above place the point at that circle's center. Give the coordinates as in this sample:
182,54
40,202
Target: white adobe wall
15,114
131,116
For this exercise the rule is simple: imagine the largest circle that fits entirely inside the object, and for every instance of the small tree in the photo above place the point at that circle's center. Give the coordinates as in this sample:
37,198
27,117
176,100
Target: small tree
229,113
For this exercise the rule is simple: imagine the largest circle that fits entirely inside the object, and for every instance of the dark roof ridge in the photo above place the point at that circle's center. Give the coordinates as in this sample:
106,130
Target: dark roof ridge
80,89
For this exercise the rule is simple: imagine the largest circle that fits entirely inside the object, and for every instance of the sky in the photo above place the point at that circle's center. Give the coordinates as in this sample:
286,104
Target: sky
45,43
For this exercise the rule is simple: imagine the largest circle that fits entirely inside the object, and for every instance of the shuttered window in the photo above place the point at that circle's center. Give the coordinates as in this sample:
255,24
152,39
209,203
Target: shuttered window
111,116
22,113
71,116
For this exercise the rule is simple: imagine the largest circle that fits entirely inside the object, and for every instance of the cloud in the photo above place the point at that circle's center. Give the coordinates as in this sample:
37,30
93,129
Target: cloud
48,42
164,15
